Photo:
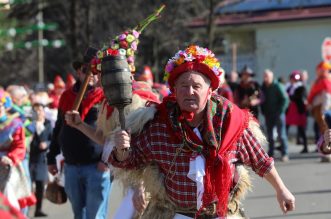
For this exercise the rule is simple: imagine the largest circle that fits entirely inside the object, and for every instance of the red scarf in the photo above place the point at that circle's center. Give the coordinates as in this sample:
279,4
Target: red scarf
219,137
320,85
218,174
91,98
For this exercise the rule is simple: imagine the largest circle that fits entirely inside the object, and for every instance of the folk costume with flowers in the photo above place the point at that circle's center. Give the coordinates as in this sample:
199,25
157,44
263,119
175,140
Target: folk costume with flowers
14,181
194,171
125,44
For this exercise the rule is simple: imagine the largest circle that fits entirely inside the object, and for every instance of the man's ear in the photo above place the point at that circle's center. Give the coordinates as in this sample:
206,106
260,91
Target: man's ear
210,91
174,91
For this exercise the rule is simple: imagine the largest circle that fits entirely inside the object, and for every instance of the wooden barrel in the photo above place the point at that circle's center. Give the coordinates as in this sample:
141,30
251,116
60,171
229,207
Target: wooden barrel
116,80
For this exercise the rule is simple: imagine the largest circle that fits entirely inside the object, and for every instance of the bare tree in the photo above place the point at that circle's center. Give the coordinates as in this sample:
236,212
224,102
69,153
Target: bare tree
84,23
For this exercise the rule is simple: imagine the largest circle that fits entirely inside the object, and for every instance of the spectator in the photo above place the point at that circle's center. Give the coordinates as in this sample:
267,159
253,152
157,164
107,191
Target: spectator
273,108
248,93
319,98
38,149
14,182
224,90
297,111
55,94
232,80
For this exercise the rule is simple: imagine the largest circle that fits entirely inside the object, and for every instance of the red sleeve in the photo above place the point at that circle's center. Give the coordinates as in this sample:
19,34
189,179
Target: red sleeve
17,148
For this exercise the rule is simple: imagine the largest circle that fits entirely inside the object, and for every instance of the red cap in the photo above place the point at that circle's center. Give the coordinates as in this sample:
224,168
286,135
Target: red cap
70,81
324,66
194,66
58,82
145,75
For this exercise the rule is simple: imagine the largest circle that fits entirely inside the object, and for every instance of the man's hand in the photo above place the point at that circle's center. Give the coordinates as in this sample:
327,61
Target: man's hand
254,101
139,199
72,118
326,148
43,145
286,200
102,167
53,169
4,161
122,144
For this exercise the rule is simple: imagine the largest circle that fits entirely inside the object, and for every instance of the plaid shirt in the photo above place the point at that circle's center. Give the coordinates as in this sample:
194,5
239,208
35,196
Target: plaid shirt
156,145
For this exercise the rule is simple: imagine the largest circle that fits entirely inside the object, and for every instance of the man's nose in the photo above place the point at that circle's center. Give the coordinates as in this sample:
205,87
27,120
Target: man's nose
190,90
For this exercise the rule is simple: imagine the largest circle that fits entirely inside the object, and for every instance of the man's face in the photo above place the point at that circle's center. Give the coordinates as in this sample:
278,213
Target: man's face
93,80
192,90
233,76
245,76
267,78
39,110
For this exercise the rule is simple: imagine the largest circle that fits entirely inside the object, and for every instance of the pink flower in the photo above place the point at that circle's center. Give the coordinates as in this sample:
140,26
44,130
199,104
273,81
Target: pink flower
135,34
130,59
134,45
169,67
122,37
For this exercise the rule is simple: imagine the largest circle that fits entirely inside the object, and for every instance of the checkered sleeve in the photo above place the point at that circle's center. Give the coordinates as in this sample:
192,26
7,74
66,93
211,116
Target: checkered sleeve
140,153
252,154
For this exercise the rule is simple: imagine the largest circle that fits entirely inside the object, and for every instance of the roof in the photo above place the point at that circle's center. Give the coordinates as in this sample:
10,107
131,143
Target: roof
269,5
265,11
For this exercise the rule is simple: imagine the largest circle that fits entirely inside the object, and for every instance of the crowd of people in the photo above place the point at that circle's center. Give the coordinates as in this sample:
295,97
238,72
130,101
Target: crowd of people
27,120
186,149
294,101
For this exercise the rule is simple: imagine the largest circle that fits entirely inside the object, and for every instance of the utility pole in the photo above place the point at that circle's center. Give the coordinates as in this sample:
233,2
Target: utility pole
40,22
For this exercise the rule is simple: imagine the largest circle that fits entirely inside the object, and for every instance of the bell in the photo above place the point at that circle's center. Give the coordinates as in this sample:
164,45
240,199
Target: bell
116,80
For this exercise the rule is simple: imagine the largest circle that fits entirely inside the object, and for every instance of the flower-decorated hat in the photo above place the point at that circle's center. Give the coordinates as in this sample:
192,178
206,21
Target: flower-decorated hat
5,99
124,44
194,58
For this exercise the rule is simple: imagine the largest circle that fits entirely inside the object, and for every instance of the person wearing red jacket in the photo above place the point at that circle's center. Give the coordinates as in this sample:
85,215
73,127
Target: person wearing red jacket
319,99
14,182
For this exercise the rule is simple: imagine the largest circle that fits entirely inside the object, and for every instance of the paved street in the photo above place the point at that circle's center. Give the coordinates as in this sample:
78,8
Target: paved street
305,176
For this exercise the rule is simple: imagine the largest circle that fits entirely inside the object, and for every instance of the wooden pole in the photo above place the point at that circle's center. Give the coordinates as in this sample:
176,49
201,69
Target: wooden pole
81,91
234,57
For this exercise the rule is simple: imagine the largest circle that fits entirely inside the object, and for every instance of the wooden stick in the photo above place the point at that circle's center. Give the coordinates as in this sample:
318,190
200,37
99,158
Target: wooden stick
82,90
121,116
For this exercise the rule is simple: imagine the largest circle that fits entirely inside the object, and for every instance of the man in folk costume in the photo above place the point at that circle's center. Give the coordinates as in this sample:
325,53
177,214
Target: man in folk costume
319,98
87,179
195,139
108,118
